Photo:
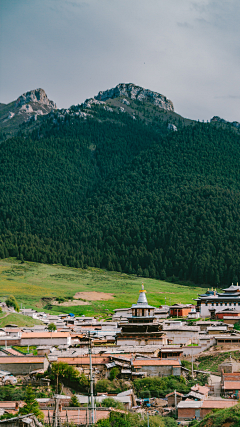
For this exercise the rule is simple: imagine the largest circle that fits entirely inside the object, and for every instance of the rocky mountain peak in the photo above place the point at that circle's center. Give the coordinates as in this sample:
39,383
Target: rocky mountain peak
37,96
132,91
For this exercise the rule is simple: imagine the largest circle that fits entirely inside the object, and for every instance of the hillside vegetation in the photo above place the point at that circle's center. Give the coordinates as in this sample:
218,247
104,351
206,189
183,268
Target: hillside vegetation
39,286
126,195
221,418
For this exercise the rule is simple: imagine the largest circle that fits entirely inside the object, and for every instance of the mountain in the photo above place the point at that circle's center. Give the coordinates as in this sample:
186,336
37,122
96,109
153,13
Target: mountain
123,182
25,109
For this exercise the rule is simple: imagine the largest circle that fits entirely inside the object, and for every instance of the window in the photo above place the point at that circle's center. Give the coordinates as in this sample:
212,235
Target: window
142,311
225,303
212,303
217,304
235,303
221,303
206,303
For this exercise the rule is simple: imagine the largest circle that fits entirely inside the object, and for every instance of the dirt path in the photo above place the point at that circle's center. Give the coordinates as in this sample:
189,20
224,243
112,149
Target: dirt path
2,317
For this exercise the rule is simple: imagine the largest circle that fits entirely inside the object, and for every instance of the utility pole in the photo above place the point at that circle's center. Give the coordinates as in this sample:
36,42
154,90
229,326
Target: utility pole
92,414
175,399
55,413
192,363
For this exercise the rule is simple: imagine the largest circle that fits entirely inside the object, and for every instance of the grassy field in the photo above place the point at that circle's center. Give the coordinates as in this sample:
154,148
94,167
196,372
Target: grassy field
211,363
17,319
34,285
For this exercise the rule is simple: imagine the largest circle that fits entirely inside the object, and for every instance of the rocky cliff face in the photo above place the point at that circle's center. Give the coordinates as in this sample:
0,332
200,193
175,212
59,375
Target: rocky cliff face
132,91
37,96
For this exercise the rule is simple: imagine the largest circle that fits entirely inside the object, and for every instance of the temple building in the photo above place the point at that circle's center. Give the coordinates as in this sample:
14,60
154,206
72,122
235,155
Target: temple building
142,328
213,301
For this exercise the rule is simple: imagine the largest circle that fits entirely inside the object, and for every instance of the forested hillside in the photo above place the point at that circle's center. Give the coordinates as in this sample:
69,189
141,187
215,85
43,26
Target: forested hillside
125,195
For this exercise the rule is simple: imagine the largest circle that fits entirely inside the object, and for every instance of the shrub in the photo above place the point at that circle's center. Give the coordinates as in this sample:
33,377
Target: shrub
110,402
114,373
74,403
12,302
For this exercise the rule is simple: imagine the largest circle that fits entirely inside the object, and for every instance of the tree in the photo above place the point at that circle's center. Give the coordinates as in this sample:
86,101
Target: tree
52,327
74,403
31,405
12,302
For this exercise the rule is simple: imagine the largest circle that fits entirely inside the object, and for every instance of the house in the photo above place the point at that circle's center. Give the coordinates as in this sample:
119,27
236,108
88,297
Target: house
127,398
227,339
174,398
181,310
230,384
181,334
170,351
228,312
189,409
45,338
157,367
22,365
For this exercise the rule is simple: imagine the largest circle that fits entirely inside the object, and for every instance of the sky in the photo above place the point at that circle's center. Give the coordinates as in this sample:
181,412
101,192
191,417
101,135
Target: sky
187,50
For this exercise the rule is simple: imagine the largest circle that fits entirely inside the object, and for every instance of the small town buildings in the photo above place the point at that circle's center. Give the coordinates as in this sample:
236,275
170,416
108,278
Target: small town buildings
213,300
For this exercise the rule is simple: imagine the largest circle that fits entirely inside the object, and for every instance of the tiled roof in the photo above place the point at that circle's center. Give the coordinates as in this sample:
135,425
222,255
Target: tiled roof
200,389
45,334
161,362
219,404
21,359
231,385
84,360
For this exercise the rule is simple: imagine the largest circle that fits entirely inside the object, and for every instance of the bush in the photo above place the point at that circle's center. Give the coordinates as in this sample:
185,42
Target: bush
74,403
114,373
162,386
110,402
12,302
103,386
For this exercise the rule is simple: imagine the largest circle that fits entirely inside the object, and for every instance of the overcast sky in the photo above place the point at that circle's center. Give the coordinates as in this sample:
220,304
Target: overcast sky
187,50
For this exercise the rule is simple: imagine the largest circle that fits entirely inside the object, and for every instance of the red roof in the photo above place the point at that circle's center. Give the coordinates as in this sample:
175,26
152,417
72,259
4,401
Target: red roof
200,389
84,360
221,404
231,385
21,359
45,334
161,362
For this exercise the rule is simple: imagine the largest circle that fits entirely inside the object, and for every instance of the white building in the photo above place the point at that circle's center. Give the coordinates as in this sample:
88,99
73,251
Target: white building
213,300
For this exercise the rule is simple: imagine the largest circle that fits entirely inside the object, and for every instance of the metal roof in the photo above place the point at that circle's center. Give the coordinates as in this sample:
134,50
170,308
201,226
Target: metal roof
142,300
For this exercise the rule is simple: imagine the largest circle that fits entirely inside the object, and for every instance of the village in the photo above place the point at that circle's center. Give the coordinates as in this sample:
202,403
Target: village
140,343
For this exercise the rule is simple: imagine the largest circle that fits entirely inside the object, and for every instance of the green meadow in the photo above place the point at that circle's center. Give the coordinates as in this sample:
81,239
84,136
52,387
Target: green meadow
37,285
